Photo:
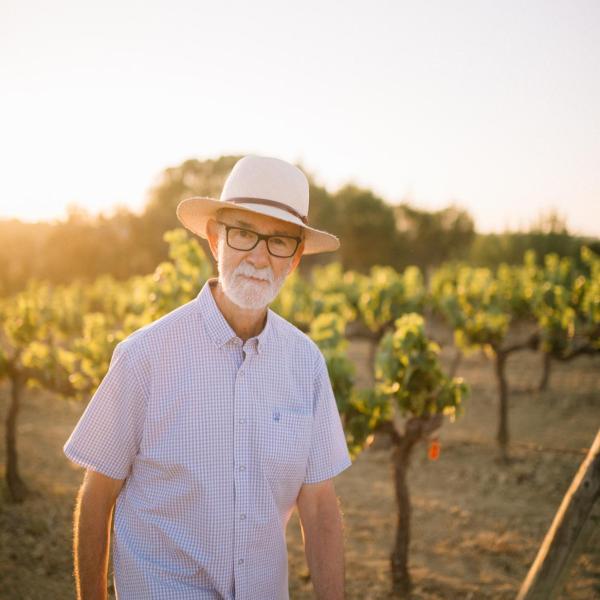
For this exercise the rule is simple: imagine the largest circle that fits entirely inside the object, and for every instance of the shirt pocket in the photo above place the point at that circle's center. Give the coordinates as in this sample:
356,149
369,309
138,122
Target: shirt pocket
288,434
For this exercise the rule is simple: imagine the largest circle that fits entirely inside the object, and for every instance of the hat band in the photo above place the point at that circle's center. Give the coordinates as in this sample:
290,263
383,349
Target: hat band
268,203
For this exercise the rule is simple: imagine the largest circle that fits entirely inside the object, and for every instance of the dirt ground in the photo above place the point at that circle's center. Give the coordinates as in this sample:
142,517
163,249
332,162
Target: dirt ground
476,524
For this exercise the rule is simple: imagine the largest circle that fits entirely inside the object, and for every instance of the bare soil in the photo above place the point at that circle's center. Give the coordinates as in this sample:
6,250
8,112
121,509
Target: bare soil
476,523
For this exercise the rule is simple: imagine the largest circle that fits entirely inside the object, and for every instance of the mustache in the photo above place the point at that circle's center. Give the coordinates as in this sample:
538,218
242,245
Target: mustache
266,274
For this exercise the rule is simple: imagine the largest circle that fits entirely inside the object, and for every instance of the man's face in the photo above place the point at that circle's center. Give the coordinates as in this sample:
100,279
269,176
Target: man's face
252,279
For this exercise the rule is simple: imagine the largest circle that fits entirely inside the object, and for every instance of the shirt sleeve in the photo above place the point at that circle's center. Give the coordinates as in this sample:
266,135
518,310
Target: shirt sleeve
329,452
107,437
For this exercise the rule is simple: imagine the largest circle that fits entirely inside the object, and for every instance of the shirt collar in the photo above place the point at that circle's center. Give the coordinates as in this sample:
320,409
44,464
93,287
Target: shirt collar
217,326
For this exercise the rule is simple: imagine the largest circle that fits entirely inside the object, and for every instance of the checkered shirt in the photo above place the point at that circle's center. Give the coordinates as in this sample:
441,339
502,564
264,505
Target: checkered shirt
214,439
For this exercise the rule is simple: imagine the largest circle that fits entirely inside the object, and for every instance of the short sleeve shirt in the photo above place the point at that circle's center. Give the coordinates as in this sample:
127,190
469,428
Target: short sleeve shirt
214,438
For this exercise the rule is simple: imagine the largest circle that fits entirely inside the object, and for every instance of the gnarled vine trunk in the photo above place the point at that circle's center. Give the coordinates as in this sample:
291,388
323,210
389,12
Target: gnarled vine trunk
399,558
417,428
546,369
502,435
16,488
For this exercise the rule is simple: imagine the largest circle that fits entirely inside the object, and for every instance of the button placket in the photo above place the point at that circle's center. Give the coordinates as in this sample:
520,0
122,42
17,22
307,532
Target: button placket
242,453
242,458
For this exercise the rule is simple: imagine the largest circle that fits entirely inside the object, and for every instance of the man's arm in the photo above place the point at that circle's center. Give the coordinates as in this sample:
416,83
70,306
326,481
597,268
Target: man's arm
323,538
91,529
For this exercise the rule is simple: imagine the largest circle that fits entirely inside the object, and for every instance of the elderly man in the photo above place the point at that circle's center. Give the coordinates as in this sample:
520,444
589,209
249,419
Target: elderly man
215,420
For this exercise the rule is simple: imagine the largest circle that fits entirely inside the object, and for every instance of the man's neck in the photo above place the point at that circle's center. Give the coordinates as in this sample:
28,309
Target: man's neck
246,323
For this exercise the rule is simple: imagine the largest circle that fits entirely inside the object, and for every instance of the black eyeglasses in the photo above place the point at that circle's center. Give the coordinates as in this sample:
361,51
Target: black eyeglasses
281,246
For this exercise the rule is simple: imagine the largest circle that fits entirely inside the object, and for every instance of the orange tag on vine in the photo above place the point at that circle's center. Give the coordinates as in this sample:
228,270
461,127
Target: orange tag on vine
433,451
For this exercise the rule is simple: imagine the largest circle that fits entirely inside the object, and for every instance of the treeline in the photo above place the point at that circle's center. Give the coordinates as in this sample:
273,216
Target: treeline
372,231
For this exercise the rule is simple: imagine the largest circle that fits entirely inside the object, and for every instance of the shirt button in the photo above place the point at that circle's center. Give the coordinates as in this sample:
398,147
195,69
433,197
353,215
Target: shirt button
242,516
242,421
241,561
242,468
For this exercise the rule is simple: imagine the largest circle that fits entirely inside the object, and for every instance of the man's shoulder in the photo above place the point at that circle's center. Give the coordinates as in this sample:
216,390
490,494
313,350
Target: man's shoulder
290,334
156,333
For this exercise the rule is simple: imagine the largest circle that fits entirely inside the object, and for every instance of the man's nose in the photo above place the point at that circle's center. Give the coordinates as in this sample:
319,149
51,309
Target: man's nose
259,255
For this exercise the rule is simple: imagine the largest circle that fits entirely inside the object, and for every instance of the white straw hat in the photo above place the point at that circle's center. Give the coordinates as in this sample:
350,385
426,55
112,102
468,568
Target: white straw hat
264,185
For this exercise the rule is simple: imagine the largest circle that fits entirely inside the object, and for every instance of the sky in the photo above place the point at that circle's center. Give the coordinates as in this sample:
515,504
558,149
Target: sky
494,106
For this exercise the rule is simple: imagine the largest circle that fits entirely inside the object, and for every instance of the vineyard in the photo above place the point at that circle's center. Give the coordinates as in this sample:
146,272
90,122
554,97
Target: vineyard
433,379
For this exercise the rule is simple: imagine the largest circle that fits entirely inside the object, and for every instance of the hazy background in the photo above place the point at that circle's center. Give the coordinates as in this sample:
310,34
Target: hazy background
490,105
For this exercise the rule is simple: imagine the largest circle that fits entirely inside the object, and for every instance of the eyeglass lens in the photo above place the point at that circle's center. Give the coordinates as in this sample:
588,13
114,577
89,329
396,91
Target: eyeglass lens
242,239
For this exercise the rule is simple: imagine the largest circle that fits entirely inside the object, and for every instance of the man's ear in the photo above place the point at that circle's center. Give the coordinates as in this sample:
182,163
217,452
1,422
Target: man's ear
296,260
212,236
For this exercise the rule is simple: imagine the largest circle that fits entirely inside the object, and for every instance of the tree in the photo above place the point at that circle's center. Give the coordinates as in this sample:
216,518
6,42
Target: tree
480,306
409,375
365,224
566,304
191,178
431,237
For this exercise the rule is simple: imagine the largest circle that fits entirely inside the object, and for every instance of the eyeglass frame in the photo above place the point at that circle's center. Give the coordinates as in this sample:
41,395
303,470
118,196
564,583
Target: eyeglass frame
260,236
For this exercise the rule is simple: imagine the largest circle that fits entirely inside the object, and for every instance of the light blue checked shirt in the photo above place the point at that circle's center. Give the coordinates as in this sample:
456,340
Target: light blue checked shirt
214,438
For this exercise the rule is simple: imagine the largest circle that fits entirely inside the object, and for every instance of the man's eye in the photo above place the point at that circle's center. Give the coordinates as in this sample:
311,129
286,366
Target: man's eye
278,241
243,233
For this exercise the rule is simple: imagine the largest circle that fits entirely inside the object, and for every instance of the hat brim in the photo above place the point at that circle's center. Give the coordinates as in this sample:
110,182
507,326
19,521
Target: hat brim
194,213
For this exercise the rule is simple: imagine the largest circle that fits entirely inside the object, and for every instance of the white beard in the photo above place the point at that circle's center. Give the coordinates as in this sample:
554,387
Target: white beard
245,292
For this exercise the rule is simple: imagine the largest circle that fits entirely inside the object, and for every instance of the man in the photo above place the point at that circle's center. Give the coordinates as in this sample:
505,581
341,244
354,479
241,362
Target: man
215,420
